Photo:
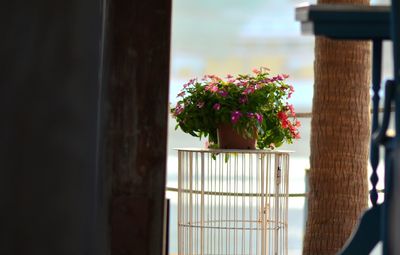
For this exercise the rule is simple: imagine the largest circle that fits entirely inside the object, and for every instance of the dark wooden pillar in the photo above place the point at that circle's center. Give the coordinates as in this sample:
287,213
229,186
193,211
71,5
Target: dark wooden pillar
138,51
49,92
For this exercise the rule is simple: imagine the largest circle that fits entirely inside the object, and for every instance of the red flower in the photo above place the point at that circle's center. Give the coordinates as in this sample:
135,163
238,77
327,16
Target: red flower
293,129
282,116
284,119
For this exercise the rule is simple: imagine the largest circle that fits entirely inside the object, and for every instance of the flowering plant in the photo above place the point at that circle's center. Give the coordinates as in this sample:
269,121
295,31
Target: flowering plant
248,102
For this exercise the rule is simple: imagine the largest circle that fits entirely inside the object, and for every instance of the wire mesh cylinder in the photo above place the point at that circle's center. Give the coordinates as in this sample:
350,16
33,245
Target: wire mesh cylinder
232,202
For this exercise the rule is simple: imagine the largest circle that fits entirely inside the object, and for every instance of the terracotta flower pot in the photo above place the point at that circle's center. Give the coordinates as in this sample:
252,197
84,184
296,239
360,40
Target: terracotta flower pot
228,138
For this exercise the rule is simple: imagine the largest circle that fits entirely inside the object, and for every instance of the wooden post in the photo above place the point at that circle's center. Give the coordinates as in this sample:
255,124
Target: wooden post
49,95
138,50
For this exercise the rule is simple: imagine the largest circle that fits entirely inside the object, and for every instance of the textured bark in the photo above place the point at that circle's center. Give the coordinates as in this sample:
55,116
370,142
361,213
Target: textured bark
138,37
339,142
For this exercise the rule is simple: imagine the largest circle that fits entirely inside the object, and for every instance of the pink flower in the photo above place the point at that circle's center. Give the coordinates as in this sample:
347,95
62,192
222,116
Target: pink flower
256,116
178,109
291,90
258,86
293,131
181,94
243,99
213,77
217,106
200,104
211,87
223,93
250,115
256,71
279,77
235,116
190,82
248,91
241,83
229,76
291,109
259,117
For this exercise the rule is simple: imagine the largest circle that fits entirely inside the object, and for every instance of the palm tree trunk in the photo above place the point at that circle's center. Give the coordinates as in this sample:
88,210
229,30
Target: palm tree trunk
339,142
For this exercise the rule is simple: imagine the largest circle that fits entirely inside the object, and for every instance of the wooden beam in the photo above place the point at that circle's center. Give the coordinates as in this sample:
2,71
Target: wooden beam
138,51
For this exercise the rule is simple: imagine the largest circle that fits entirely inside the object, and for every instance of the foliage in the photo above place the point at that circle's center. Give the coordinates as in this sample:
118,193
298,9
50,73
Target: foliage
249,102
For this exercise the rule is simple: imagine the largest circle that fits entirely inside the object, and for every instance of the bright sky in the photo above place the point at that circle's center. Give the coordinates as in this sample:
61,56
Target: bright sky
235,36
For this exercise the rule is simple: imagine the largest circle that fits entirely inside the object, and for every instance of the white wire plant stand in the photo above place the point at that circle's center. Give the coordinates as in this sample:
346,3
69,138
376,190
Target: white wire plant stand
232,202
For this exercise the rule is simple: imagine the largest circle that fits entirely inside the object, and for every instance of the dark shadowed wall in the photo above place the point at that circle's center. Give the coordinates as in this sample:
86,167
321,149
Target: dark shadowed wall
49,94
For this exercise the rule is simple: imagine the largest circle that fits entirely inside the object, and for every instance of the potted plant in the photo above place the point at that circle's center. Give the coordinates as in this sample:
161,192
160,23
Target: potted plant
252,109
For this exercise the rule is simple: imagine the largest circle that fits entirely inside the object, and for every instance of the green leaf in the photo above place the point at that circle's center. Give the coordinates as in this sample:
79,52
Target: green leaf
226,157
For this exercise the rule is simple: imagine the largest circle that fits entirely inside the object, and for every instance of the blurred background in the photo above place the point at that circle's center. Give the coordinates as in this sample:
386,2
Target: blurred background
234,36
